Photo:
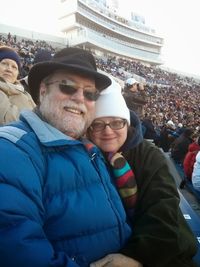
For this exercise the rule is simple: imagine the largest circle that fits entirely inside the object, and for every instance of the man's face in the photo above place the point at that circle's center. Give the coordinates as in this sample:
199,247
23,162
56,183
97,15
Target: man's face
64,107
134,88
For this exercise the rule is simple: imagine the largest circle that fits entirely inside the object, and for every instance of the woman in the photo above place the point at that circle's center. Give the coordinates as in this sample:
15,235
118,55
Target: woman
13,97
161,236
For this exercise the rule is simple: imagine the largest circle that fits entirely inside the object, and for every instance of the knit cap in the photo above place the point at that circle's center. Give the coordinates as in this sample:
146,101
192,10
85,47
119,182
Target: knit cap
111,103
131,81
7,52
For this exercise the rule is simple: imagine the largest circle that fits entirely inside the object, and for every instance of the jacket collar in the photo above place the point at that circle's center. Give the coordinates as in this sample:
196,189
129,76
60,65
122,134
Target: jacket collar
47,134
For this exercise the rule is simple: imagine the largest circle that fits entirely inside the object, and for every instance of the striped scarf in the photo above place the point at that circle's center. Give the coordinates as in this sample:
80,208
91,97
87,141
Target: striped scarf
124,180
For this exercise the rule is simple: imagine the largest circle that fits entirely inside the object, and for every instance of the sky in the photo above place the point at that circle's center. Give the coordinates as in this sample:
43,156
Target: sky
177,21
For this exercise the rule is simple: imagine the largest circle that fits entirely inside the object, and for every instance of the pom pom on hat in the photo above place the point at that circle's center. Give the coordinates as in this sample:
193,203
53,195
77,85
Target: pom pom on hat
7,52
171,124
111,103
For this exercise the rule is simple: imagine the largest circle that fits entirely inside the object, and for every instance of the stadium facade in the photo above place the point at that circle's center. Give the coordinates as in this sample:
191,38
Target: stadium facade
93,25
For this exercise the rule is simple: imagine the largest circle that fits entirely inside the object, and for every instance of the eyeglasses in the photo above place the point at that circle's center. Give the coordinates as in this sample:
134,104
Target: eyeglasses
99,125
68,87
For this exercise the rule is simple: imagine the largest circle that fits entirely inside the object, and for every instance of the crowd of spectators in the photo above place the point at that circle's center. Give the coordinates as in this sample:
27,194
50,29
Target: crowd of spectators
169,95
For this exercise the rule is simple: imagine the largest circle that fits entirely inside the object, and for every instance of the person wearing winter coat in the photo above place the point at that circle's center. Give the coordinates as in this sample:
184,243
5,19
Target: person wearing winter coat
190,158
58,202
180,146
166,137
135,96
13,97
161,236
196,173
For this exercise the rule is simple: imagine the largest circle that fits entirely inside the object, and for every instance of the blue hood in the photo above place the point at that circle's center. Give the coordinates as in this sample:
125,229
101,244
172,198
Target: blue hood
135,133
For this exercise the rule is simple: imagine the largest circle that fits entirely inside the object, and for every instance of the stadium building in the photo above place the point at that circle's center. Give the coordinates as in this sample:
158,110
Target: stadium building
95,25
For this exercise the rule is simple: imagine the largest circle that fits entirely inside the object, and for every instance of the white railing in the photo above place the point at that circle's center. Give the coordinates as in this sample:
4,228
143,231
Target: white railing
102,9
131,33
119,37
104,42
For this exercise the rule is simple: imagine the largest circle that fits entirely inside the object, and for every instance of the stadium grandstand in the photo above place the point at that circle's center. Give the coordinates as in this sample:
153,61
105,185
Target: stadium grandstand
94,26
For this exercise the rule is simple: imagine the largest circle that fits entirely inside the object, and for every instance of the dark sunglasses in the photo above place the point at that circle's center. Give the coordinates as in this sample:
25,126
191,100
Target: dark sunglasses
69,88
100,125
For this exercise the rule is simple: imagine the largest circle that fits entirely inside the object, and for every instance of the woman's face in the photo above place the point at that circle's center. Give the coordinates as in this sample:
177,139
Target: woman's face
108,133
9,70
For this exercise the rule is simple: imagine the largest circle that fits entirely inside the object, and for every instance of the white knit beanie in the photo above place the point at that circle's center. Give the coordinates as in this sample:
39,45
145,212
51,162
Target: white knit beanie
111,103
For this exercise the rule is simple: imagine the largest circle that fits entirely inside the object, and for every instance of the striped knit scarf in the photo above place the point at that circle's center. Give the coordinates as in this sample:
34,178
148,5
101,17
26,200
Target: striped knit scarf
124,180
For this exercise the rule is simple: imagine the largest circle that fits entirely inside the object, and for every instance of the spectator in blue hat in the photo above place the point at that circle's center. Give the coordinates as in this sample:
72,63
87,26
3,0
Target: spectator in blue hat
13,97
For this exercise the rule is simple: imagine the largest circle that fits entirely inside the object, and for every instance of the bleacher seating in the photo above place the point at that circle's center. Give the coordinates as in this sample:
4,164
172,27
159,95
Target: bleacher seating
185,182
188,184
193,221
192,218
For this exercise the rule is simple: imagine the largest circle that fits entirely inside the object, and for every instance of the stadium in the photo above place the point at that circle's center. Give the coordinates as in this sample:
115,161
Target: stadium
167,102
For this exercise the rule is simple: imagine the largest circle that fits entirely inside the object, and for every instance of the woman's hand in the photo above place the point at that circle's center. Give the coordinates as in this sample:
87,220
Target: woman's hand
116,260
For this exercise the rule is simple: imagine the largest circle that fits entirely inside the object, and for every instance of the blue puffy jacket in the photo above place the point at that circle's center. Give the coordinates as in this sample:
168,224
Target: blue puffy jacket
58,205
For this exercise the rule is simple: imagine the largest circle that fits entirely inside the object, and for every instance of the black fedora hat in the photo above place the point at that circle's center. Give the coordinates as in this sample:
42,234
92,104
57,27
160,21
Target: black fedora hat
72,59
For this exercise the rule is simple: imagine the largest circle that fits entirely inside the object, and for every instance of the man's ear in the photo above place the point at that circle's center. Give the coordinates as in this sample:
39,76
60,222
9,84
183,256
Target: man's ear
42,91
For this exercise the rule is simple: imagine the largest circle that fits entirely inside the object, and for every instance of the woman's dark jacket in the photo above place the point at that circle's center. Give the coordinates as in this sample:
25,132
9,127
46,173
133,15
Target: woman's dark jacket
161,236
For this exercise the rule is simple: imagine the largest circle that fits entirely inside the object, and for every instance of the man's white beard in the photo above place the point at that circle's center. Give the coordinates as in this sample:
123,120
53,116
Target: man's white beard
69,124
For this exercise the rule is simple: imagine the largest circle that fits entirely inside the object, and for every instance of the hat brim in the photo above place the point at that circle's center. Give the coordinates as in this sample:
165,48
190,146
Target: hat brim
41,70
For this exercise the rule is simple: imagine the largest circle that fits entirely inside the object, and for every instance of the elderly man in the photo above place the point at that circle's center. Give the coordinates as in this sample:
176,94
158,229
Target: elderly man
58,206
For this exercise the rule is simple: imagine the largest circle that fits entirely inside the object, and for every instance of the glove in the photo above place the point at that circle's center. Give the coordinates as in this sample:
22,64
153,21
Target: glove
116,260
